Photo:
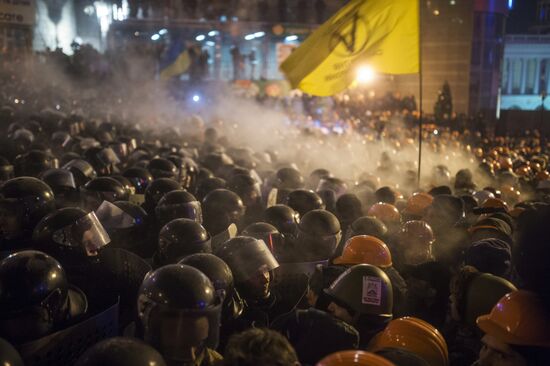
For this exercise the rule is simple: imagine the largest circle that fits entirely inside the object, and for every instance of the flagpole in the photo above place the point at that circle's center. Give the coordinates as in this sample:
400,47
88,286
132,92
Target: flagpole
420,114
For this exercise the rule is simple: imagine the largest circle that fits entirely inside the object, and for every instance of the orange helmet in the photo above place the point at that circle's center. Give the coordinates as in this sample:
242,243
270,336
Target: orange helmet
365,249
350,358
518,318
418,203
505,163
416,336
494,203
478,152
385,212
523,171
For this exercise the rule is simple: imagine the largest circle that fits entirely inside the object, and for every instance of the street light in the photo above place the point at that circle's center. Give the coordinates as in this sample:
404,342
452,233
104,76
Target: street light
541,128
365,74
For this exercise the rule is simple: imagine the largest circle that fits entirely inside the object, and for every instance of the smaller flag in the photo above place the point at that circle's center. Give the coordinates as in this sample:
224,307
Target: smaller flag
178,67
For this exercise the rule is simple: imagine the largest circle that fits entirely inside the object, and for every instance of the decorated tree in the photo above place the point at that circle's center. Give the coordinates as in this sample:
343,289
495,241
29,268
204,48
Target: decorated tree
443,108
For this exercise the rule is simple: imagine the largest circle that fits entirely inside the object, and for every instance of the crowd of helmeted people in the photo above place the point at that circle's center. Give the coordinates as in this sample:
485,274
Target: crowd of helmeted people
126,242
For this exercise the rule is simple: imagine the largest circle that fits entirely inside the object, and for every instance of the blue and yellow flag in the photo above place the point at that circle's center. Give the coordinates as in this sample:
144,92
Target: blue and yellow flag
178,67
381,33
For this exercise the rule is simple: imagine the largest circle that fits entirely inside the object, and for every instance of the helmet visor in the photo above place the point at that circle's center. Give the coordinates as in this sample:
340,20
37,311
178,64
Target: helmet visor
82,166
174,332
188,210
86,233
108,157
112,217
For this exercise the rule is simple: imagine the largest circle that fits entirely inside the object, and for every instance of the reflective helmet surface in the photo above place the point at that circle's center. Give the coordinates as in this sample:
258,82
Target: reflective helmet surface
121,352
365,289
179,238
33,295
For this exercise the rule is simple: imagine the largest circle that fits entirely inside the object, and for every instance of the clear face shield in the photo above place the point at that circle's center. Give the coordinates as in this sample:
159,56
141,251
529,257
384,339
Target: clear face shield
86,233
91,200
120,149
179,335
81,166
113,218
319,244
108,157
189,210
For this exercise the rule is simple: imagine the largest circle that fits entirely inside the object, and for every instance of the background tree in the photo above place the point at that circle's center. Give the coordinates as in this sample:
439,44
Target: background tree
443,108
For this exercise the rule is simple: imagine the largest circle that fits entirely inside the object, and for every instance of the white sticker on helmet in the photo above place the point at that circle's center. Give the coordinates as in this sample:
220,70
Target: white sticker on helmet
372,290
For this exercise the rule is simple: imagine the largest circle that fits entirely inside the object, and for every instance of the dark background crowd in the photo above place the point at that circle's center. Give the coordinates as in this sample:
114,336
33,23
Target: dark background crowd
135,232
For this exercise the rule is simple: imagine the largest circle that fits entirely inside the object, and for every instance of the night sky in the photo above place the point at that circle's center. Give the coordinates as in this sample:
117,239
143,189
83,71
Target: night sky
522,16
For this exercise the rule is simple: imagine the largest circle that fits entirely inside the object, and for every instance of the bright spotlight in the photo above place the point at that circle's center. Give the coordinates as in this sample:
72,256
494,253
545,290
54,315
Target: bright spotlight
365,75
249,37
213,33
196,98
291,38
155,37
163,31
259,34
200,37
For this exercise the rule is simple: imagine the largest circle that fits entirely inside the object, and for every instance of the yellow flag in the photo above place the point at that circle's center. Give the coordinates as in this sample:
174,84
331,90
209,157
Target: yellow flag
381,33
178,67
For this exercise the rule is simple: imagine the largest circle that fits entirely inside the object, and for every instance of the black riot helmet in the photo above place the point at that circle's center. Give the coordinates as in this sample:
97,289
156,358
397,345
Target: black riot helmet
28,199
34,296
336,185
139,177
208,185
247,188
178,309
9,355
268,233
181,237
221,208
6,169
156,190
318,235
246,256
121,351
215,269
59,180
83,171
348,207
216,162
283,217
33,163
120,148
70,234
22,139
103,159
178,204
60,141
128,226
188,171
126,183
365,290
63,185
102,189
162,168
367,225
303,201
289,178
316,176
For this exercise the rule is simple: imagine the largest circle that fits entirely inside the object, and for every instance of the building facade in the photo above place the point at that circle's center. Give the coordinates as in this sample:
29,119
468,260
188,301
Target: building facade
526,72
